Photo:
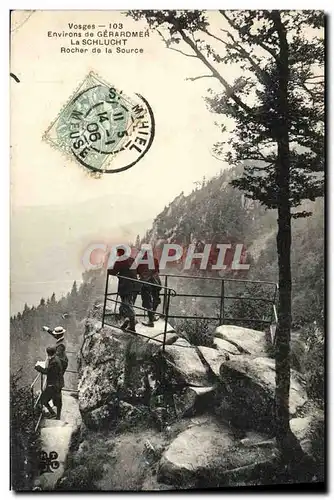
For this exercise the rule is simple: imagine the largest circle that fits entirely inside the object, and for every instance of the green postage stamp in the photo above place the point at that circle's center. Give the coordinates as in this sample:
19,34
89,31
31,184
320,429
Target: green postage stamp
103,129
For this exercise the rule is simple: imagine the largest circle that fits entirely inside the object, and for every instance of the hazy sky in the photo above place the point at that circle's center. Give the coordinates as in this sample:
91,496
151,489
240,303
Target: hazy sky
185,130
46,247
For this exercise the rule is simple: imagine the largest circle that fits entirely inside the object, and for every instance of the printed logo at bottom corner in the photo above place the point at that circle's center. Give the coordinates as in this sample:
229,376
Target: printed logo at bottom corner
103,129
48,462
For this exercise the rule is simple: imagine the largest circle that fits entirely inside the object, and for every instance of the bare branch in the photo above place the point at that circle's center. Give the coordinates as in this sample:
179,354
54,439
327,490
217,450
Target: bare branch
263,157
309,92
214,36
213,70
173,48
181,52
217,157
192,79
241,51
321,82
259,169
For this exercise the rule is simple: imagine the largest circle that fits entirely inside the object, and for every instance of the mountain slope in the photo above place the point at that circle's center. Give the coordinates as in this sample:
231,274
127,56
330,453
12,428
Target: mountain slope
219,213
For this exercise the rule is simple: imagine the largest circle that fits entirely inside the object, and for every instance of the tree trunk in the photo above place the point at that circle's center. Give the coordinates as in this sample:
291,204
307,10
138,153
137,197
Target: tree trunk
282,349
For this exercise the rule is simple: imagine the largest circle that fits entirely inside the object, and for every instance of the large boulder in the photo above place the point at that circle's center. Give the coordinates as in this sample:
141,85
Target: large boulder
246,340
157,340
99,385
310,431
114,366
102,345
210,455
102,366
193,400
151,332
184,366
213,358
225,346
248,391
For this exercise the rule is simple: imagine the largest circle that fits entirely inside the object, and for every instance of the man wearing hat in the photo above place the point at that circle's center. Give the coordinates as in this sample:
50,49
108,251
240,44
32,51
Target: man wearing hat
128,289
150,291
54,382
57,333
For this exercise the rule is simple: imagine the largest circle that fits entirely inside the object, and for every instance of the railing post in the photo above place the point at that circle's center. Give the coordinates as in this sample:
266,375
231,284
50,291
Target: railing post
165,295
221,307
33,406
166,320
272,305
163,365
41,382
105,299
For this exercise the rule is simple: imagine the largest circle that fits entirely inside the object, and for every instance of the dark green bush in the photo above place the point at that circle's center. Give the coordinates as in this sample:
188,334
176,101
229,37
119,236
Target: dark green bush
85,466
315,363
197,331
24,442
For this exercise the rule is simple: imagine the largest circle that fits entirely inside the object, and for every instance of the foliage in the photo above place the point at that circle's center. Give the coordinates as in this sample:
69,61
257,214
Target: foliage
315,362
253,41
23,439
245,307
198,331
214,213
307,264
85,467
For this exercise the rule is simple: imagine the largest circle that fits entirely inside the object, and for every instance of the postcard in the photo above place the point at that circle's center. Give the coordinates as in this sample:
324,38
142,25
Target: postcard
167,326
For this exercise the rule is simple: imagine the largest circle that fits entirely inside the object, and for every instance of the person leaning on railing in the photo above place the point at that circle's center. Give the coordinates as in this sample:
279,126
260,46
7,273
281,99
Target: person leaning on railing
150,294
54,382
127,290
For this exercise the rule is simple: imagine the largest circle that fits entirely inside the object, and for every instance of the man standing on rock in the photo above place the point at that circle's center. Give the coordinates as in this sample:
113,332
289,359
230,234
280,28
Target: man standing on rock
54,382
128,289
150,290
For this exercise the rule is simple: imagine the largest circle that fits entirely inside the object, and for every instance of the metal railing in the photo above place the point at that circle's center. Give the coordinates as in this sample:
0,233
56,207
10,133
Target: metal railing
167,293
221,317
40,380
35,399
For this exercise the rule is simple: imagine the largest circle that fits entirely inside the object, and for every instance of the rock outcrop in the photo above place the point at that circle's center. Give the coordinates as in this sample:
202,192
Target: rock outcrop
185,366
115,368
213,358
310,431
225,346
193,400
246,340
119,369
127,378
248,388
211,454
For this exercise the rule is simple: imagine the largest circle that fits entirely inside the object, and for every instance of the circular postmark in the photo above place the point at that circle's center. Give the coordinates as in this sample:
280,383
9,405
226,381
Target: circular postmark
103,129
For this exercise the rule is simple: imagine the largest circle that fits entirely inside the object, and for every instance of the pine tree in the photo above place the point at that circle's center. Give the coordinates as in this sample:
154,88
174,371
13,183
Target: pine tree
42,302
137,244
276,108
73,298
